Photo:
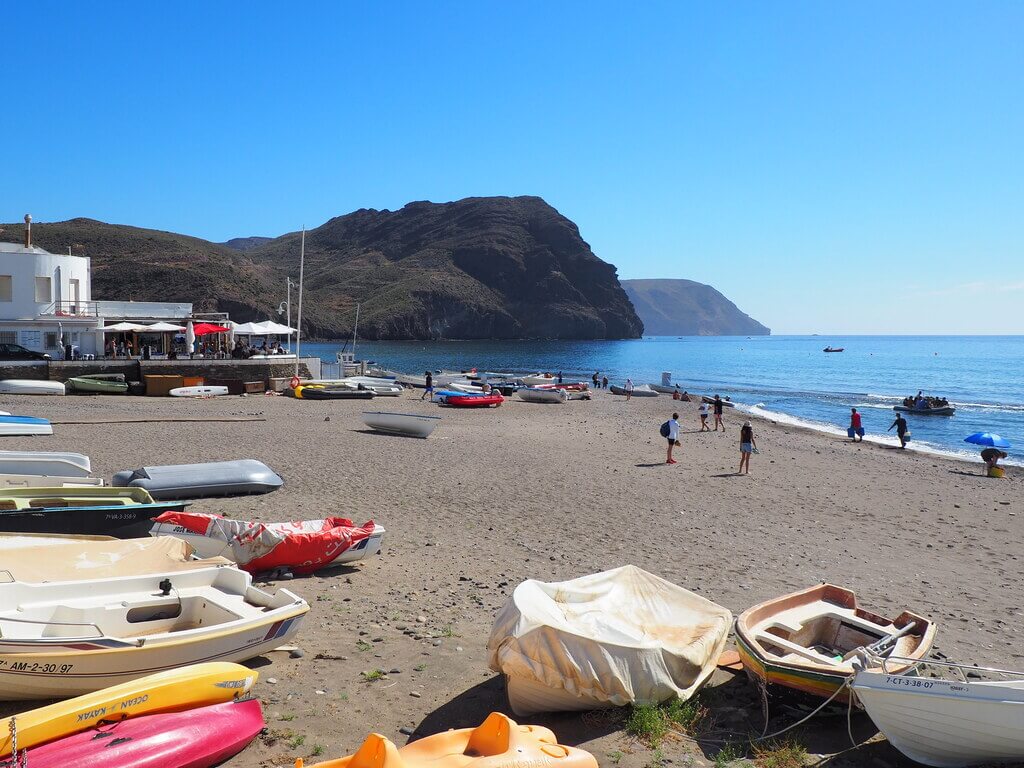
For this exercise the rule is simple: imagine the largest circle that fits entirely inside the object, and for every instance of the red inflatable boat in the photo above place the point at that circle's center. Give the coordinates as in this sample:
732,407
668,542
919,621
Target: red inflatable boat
473,401
197,738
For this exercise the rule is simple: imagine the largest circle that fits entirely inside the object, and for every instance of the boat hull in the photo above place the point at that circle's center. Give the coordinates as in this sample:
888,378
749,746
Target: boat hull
322,393
243,477
24,426
204,391
543,395
944,411
195,686
44,463
617,390
47,481
86,385
31,387
726,403
945,723
471,401
196,738
129,521
405,424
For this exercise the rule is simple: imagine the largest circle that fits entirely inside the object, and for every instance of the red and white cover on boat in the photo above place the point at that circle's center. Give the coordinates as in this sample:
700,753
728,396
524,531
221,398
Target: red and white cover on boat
302,546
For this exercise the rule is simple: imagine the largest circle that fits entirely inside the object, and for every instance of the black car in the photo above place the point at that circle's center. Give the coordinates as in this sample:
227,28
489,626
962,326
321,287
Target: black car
18,352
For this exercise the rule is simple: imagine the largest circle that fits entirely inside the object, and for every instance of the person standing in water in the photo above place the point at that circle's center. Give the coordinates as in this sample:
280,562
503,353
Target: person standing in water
901,429
428,391
747,446
719,407
856,429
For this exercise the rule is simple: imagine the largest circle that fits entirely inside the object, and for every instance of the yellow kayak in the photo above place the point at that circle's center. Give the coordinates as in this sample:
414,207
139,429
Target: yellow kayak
498,743
175,690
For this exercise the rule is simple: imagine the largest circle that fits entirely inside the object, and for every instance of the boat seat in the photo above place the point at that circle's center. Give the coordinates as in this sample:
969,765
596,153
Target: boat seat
798,650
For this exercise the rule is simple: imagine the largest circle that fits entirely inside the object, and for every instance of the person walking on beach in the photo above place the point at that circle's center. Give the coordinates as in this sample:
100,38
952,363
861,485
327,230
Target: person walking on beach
670,430
703,410
855,430
901,429
604,382
629,389
747,446
718,413
428,391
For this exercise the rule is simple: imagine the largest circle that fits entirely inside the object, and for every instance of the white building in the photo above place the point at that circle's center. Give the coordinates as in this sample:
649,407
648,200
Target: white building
46,302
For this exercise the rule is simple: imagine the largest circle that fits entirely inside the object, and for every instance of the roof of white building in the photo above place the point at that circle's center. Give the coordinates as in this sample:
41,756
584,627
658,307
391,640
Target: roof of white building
19,248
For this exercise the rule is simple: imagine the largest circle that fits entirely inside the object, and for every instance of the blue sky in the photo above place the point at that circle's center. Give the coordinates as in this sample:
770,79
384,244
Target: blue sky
831,168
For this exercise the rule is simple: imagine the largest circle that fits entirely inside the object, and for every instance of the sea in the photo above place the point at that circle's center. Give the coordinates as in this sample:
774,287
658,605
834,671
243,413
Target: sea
785,378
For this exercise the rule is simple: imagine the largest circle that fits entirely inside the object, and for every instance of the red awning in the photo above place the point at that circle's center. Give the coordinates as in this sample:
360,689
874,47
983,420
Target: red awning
204,329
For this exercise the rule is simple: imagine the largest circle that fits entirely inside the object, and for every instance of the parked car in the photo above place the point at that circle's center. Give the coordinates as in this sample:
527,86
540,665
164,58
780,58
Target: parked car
18,352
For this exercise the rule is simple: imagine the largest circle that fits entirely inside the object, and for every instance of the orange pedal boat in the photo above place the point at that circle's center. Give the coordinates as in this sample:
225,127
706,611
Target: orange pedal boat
498,743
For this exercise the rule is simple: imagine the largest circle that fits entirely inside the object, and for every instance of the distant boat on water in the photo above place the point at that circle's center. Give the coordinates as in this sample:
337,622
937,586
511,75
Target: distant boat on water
832,349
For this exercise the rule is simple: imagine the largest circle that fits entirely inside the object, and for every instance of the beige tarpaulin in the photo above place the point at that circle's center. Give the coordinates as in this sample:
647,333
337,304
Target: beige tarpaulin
607,639
92,559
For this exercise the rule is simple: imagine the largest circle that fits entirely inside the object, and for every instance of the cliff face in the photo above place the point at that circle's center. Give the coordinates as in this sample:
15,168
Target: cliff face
687,308
478,268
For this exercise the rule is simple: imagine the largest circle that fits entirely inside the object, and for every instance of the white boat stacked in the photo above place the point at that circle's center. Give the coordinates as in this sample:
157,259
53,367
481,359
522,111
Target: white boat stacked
539,378
947,723
65,638
47,481
408,424
531,395
24,426
44,463
31,387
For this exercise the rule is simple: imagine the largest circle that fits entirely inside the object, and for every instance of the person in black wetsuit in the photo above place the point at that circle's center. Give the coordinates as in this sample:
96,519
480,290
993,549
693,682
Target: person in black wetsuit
901,429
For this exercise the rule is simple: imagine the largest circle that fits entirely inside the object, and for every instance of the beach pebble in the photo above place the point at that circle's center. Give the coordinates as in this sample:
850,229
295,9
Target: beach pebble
415,694
458,648
407,730
395,671
272,680
321,693
296,654
437,642
421,619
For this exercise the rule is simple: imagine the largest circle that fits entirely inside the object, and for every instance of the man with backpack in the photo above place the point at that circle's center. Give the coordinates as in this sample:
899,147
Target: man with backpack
670,431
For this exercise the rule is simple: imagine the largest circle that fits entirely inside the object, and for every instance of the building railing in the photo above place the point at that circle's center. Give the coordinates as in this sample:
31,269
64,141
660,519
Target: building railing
119,309
72,309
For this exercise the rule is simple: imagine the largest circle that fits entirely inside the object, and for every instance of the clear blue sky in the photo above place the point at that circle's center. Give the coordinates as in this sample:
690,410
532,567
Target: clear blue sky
830,167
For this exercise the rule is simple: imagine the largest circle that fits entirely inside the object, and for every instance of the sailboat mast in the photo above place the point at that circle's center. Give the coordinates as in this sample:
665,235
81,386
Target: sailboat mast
298,331
355,328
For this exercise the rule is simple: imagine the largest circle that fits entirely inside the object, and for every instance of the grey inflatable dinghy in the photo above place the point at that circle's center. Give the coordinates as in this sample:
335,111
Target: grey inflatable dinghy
193,481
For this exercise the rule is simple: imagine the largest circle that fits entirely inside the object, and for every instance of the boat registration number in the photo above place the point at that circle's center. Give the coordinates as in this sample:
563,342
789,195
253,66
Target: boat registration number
899,681
46,669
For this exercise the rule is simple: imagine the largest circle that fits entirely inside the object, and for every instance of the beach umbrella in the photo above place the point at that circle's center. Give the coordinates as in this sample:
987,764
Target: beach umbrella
124,328
164,328
205,329
987,438
190,337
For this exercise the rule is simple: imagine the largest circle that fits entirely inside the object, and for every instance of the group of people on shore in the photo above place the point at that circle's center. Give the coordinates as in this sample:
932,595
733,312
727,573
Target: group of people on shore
748,444
599,381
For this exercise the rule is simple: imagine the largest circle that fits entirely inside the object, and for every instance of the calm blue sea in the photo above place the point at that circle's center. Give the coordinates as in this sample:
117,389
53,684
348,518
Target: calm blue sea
788,378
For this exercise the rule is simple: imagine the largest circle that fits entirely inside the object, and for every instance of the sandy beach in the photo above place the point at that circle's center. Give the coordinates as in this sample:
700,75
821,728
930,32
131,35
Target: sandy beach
553,492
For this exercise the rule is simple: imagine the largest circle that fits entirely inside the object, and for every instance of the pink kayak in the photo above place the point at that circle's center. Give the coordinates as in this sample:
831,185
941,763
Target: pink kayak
196,738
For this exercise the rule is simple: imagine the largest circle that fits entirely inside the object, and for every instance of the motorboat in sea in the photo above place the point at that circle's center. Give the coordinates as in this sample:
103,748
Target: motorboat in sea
44,463
942,410
24,426
120,512
194,686
60,639
241,477
640,390
808,640
543,395
31,387
406,424
303,546
114,384
196,738
965,715
624,636
833,349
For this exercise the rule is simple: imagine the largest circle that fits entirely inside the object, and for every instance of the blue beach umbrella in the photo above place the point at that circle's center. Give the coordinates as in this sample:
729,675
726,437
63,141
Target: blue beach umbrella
987,438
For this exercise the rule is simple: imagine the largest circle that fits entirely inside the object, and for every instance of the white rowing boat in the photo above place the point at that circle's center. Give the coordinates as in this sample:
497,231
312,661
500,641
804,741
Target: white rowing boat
44,463
408,424
67,638
22,426
203,391
31,387
46,481
947,722
531,395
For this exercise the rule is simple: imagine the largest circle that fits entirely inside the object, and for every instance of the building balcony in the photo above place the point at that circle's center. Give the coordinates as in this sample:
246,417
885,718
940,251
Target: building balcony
119,310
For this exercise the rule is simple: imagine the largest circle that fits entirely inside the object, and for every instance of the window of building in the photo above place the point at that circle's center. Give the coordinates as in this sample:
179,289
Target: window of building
51,340
43,293
8,337
6,289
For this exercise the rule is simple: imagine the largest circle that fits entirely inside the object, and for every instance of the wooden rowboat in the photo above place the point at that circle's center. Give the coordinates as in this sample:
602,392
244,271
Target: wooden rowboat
808,640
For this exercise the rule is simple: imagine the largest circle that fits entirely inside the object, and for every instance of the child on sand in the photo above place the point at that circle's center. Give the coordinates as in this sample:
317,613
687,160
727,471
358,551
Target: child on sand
747,446
704,417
